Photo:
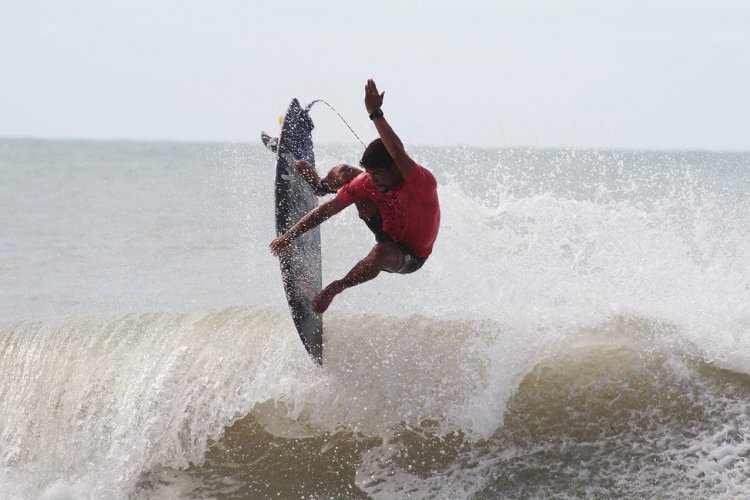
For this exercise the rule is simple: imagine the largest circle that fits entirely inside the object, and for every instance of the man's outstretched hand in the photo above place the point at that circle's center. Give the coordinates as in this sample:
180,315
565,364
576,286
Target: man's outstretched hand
373,99
280,244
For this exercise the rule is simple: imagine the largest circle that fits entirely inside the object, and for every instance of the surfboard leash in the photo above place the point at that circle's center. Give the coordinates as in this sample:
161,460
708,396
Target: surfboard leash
342,118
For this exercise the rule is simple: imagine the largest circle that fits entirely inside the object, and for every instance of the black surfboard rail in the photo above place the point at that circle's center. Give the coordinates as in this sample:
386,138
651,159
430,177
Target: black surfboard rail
301,267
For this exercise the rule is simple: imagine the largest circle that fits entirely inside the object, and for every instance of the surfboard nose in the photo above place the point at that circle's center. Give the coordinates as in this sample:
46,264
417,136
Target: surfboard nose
297,130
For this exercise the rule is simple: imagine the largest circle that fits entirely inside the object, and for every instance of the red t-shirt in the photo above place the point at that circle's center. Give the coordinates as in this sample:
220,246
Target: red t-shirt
410,212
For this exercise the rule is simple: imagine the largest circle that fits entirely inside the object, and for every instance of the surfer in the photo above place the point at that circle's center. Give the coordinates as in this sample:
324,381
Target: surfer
396,198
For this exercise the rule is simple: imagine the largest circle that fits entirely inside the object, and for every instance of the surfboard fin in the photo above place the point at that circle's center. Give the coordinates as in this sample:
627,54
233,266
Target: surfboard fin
271,143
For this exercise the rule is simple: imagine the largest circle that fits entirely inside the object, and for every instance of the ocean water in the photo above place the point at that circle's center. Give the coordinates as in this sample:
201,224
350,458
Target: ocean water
581,330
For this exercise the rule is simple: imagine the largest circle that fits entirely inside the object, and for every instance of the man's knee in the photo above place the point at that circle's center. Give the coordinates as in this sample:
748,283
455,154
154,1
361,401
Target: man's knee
387,256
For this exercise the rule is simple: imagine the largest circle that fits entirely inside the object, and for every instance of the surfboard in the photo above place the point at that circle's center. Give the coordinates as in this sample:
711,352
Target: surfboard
301,268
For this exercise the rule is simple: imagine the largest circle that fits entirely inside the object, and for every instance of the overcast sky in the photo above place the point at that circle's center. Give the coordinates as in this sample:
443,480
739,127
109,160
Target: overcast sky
630,74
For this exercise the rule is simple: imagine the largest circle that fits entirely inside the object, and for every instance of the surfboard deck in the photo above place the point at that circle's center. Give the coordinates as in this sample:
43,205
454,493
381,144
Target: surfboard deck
301,268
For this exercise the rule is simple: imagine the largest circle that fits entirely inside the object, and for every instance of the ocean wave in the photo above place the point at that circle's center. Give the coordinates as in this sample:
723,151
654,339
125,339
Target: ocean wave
94,404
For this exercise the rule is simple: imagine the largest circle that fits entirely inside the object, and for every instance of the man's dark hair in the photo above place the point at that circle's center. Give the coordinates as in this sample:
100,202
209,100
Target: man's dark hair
376,156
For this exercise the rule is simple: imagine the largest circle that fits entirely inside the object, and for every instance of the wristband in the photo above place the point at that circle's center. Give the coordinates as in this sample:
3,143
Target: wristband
378,113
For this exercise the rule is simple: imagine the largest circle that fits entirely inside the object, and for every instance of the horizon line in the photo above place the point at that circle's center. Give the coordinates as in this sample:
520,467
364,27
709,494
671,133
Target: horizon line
343,144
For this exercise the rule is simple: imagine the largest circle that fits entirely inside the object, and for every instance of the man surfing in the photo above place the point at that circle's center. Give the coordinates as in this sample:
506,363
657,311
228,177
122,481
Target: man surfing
396,197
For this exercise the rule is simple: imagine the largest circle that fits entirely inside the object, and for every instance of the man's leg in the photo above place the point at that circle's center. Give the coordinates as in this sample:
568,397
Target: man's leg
383,257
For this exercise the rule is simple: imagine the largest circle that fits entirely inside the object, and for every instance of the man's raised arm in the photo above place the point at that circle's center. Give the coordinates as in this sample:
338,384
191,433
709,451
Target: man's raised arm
394,146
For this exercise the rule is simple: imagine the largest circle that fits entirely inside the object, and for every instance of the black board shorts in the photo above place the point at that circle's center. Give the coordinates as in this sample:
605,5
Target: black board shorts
411,262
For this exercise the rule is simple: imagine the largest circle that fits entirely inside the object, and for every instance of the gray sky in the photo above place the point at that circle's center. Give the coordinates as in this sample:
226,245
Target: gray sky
632,74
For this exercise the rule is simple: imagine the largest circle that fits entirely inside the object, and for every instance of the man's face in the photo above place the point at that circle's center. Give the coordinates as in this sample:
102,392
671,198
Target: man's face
385,178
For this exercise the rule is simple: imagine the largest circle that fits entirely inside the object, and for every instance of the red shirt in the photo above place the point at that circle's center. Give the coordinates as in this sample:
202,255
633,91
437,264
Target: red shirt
410,212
